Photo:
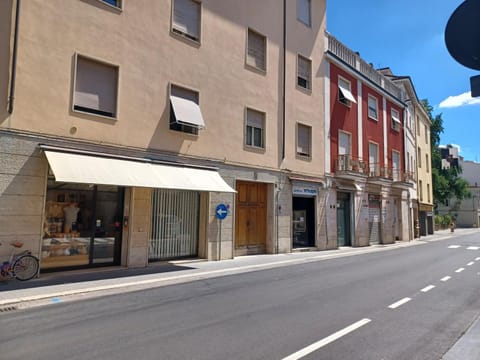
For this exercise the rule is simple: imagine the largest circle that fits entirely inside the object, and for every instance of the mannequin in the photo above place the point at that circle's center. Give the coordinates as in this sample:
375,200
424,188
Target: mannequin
70,212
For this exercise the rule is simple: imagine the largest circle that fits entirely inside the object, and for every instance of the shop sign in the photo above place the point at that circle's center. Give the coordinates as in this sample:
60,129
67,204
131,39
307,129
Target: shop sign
304,190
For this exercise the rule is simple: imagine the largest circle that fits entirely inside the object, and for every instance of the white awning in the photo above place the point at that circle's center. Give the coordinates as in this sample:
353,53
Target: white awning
187,112
86,169
347,93
396,120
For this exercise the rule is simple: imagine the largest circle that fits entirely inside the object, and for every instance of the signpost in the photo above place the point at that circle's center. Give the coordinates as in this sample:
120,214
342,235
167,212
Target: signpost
221,212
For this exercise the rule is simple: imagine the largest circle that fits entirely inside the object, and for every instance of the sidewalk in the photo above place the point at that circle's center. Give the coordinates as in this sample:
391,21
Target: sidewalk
57,287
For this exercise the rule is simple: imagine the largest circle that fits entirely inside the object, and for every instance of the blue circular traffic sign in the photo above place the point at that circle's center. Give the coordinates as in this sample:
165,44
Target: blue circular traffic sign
221,211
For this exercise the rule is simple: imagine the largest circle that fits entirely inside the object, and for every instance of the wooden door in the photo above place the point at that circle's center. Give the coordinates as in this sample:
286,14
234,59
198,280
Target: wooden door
251,215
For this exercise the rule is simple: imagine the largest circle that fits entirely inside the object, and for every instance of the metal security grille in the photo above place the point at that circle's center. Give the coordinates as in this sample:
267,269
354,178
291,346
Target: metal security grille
174,224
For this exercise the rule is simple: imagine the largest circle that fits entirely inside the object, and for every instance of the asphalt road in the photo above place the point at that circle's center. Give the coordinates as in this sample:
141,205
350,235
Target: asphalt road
408,303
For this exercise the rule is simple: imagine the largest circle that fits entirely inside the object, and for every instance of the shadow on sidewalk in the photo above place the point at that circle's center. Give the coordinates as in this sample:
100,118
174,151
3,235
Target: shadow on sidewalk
82,275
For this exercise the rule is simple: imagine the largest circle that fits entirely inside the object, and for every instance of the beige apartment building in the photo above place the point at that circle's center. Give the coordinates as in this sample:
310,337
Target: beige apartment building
130,128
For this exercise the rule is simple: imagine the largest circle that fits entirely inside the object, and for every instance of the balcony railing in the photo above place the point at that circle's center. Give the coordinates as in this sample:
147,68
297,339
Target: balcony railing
354,60
350,164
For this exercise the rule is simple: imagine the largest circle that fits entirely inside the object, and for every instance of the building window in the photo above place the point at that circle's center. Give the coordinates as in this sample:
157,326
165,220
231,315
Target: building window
427,163
185,114
426,134
396,165
254,132
304,140
428,192
419,158
304,72
344,141
116,3
420,187
96,86
418,126
304,12
372,107
374,165
256,50
396,120
186,19
345,95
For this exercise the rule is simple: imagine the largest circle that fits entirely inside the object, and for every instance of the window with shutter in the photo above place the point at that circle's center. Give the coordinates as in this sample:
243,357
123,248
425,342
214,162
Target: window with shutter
95,87
304,11
373,159
396,120
186,18
190,119
304,72
372,107
345,95
303,140
254,134
256,50
396,165
343,143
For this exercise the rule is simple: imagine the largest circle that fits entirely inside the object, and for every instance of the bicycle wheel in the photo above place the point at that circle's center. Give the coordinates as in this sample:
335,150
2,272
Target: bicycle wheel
25,267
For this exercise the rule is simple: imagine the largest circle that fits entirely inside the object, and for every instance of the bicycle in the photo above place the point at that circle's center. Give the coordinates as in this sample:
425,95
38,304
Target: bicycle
22,266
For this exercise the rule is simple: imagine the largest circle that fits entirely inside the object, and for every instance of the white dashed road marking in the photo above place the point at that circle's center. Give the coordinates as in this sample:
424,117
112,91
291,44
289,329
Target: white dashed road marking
459,270
470,263
454,246
446,278
428,288
325,341
473,248
399,303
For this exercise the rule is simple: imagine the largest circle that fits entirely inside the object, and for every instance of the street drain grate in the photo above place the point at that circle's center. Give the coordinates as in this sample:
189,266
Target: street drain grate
7,309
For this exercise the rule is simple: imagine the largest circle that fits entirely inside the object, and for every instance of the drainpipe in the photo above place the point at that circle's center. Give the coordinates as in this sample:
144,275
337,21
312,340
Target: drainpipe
14,60
284,75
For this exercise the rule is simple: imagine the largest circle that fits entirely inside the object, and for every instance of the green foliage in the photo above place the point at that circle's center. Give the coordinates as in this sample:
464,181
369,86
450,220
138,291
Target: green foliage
443,221
447,183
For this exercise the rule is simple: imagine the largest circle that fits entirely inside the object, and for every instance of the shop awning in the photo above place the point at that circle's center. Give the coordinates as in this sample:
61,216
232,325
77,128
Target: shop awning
86,169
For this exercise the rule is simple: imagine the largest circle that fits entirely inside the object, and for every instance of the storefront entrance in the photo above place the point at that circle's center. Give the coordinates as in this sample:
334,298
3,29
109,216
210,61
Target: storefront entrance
374,218
303,221
82,225
343,219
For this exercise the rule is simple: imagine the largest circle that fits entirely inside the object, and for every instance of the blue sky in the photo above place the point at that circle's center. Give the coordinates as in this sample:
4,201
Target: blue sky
408,37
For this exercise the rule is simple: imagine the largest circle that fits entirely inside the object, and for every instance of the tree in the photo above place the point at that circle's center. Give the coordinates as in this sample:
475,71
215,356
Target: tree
446,183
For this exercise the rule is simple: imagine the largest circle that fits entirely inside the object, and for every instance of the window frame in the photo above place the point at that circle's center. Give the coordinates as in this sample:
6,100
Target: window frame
376,164
252,146
349,135
396,126
174,125
118,6
308,61
302,155
419,155
179,32
396,177
341,98
89,111
247,51
308,22
374,98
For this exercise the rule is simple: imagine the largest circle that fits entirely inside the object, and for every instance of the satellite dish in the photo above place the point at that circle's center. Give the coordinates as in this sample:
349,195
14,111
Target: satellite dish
462,34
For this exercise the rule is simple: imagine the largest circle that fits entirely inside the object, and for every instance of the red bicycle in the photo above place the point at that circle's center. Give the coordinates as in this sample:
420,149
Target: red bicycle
22,266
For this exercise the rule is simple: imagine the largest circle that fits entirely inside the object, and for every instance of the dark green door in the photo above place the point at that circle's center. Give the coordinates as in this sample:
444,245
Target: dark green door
343,219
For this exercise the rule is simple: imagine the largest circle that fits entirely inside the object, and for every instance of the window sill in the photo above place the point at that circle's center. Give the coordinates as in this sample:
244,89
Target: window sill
307,91
372,118
92,114
303,157
348,105
116,8
184,37
255,149
256,69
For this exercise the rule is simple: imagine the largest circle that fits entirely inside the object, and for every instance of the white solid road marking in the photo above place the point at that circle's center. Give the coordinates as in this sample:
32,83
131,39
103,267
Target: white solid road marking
446,278
325,341
454,246
399,303
428,288
473,248
470,263
459,270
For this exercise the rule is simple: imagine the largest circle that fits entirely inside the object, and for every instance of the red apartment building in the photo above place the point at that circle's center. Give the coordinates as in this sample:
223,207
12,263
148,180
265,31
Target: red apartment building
368,185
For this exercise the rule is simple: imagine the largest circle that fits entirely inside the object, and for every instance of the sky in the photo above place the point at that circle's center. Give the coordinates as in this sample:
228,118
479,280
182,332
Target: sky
408,37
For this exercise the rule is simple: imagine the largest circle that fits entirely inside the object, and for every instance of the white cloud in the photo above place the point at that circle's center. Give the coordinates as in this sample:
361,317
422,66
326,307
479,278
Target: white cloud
459,100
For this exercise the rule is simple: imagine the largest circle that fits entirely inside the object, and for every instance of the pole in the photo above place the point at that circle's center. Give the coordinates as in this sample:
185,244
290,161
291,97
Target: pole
220,243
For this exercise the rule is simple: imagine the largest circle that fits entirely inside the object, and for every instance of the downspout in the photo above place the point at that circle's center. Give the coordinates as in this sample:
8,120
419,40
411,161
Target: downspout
14,60
284,75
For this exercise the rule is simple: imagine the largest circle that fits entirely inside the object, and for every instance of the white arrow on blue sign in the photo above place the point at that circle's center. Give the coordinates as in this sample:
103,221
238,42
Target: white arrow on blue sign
221,211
